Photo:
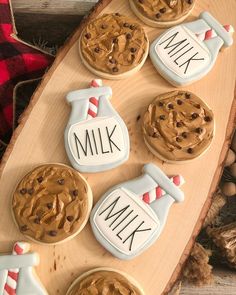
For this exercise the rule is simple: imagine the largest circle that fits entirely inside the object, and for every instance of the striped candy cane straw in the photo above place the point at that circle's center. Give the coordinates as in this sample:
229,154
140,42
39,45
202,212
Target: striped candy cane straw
12,276
158,192
93,101
212,33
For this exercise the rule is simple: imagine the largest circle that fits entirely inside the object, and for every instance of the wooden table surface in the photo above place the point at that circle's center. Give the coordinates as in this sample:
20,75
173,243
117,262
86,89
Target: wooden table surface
223,87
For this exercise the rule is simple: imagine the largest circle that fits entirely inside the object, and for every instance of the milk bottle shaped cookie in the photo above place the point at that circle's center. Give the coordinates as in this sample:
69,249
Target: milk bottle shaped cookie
96,138
187,52
17,276
131,216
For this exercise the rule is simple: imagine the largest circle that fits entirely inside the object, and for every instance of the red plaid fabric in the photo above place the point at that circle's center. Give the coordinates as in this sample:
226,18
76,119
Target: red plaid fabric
18,62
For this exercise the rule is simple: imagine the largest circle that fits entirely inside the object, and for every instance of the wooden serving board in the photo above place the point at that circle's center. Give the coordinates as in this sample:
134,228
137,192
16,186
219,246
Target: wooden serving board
39,139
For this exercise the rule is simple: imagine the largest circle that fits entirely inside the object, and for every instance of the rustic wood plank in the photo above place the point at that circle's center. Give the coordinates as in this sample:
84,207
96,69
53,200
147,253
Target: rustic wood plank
73,7
38,139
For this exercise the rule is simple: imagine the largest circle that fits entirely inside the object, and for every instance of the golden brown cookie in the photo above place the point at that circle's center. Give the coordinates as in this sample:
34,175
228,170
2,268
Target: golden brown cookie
51,203
162,13
113,46
178,126
105,281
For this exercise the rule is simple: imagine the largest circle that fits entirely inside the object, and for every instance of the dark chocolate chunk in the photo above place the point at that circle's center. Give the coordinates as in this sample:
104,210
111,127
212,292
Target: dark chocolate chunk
23,191
141,1
185,134
160,103
138,118
40,179
52,233
162,10
112,60
179,124
61,181
190,150
194,116
117,14
179,102
190,2
24,227
115,40
187,95
162,117
126,25
49,205
87,35
132,49
75,192
128,36
199,130
115,69
30,191
103,26
132,27
178,139
170,106
97,49
70,218
37,220
207,119
158,15
197,106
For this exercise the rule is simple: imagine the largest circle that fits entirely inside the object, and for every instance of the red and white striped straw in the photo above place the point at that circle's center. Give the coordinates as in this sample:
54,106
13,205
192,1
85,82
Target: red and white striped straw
93,101
13,274
209,34
158,192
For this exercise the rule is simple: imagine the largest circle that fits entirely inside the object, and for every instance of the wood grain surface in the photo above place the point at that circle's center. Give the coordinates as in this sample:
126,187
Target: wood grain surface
39,139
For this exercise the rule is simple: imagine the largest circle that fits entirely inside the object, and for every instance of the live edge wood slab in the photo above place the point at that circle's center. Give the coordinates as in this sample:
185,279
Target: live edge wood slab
39,139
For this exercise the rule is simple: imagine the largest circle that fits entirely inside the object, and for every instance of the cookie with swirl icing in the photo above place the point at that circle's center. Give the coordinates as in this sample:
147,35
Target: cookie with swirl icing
162,13
178,126
51,204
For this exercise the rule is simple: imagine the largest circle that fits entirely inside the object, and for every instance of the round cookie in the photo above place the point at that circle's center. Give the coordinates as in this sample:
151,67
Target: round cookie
51,204
113,46
105,279
178,126
162,13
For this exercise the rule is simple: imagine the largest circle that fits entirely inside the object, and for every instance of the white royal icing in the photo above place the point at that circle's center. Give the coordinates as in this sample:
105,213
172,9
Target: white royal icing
97,141
125,221
182,53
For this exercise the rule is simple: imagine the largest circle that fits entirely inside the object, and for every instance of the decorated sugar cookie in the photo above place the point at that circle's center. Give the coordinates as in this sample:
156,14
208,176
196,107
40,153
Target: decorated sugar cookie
162,13
178,126
96,138
130,217
51,204
113,46
187,52
107,281
17,276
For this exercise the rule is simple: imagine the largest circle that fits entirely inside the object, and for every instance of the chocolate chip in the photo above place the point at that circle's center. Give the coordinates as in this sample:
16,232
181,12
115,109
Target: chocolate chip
40,179
126,25
132,49
138,118
87,35
52,233
30,191
190,1
132,56
178,139
115,40
141,1
179,102
185,134
199,130
162,117
75,192
170,106
117,14
128,36
61,181
187,95
24,227
37,220
179,124
70,218
132,27
23,191
97,49
160,103
112,61
103,26
190,150
115,69
158,15
197,106
194,116
49,205
207,119
162,10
